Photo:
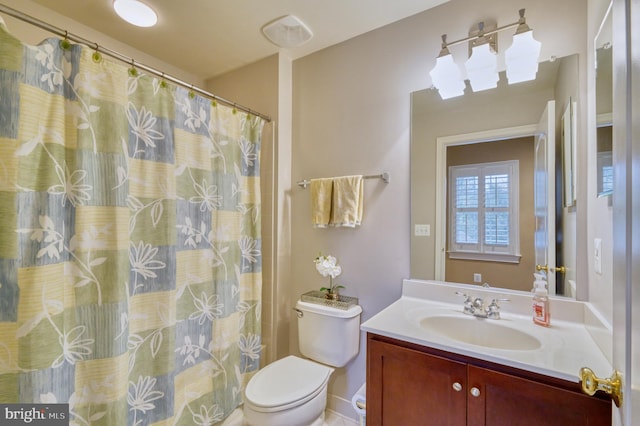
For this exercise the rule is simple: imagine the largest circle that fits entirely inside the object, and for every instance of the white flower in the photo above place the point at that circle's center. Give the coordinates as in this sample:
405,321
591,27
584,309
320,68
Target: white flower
207,308
142,393
207,196
142,123
141,258
249,249
74,348
208,416
71,187
250,346
327,266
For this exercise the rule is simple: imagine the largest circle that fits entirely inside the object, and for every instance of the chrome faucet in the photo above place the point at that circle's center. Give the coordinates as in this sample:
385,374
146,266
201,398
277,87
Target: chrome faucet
476,306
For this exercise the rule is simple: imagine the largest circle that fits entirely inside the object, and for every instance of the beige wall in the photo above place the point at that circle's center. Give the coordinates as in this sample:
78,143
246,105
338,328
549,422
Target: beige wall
352,115
516,276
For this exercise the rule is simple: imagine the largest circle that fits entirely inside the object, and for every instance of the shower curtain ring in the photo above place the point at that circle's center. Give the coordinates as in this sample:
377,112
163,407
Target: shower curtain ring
96,56
65,44
133,72
163,82
192,94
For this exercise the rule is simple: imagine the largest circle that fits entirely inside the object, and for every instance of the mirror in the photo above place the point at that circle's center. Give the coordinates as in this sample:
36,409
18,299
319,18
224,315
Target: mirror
482,126
604,89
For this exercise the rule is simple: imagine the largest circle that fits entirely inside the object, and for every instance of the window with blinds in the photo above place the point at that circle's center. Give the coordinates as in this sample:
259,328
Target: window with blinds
483,212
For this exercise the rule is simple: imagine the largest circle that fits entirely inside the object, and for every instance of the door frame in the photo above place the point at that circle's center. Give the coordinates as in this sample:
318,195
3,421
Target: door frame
442,143
626,201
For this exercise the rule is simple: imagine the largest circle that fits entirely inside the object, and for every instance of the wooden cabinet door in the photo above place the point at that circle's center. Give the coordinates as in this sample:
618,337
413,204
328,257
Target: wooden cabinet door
408,387
508,400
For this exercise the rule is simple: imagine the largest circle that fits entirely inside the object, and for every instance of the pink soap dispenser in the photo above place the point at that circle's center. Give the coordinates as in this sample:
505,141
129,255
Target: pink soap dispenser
541,314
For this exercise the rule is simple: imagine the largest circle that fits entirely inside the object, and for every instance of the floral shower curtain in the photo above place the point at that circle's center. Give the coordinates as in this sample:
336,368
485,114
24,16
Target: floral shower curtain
130,256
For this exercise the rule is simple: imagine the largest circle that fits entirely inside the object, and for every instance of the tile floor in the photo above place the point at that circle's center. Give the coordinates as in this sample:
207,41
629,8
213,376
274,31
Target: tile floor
334,419
331,417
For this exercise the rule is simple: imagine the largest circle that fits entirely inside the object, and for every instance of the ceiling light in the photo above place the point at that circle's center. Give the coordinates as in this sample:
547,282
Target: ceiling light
135,12
522,57
521,60
287,32
446,75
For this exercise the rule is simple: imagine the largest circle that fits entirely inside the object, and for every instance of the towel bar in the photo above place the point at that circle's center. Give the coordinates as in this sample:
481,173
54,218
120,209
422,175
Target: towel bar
384,176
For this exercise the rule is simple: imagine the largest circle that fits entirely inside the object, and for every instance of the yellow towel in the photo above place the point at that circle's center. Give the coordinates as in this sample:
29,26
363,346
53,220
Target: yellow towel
321,202
347,201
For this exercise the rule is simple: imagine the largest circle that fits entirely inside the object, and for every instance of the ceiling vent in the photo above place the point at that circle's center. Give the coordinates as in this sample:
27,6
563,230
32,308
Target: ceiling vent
287,31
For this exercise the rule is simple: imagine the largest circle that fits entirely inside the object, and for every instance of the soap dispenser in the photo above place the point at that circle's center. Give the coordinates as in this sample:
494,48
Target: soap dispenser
541,315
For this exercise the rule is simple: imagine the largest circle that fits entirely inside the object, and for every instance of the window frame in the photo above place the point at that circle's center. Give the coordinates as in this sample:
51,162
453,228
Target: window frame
480,250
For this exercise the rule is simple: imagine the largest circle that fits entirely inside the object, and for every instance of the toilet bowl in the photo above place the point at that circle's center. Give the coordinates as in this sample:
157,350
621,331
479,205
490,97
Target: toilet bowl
291,391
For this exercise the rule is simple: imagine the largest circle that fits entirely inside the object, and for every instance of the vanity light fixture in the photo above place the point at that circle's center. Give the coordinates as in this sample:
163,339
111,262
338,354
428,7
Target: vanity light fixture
136,12
521,60
522,57
482,66
446,75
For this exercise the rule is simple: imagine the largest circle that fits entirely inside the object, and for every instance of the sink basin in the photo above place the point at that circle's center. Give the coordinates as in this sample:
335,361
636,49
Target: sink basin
480,332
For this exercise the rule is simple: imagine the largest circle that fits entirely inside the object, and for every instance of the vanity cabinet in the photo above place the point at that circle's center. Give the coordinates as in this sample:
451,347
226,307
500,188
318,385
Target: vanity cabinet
414,385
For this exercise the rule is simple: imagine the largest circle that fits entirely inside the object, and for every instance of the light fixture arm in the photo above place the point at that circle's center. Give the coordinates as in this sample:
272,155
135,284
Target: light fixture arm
520,23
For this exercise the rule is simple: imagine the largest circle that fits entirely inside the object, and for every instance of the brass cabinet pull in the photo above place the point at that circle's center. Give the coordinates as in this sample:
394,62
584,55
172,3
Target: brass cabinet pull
590,383
561,269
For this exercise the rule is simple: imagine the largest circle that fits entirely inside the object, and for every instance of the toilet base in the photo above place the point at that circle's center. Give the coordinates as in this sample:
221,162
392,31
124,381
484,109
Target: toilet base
310,413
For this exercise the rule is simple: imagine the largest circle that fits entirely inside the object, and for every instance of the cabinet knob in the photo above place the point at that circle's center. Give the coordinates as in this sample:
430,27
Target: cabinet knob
475,391
457,387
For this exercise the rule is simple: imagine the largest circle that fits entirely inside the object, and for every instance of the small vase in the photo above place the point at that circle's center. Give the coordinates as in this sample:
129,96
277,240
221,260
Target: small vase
332,296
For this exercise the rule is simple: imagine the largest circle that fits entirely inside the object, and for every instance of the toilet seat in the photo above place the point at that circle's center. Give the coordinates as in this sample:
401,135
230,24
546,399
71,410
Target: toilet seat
286,383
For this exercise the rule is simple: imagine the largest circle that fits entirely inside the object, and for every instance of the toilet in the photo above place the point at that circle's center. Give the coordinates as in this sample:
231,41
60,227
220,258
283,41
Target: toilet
293,391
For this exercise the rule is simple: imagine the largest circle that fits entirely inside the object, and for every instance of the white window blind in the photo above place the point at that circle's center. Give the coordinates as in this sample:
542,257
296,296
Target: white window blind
483,211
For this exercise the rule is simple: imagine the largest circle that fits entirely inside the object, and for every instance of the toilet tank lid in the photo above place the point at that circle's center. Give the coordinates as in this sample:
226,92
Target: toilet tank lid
286,381
328,310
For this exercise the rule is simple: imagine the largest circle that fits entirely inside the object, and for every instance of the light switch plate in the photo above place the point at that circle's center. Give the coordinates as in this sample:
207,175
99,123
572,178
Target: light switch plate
422,230
597,255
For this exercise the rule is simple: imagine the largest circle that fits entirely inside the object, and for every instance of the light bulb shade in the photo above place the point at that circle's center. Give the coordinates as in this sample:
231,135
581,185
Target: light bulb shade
522,58
135,12
447,78
482,68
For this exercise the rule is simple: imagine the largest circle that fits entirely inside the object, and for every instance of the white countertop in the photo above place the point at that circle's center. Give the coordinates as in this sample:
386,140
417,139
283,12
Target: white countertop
566,346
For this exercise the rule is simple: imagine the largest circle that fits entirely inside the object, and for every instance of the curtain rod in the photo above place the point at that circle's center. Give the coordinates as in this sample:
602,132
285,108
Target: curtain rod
116,55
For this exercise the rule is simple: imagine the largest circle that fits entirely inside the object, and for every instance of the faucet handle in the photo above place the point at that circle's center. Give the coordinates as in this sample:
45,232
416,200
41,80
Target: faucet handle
493,310
468,303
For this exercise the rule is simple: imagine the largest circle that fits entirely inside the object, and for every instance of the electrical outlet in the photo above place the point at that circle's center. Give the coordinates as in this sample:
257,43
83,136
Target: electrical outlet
422,230
477,278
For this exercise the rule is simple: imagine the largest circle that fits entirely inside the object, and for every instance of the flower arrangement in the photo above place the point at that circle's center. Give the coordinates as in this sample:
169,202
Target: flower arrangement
327,266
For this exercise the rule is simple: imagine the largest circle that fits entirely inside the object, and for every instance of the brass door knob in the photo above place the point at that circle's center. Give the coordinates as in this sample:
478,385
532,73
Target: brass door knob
542,268
590,384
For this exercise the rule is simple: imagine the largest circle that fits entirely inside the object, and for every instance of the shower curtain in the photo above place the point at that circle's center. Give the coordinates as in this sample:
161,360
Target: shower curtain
130,252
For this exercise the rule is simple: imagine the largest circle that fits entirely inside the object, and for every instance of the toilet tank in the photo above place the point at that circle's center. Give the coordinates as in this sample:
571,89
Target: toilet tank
328,335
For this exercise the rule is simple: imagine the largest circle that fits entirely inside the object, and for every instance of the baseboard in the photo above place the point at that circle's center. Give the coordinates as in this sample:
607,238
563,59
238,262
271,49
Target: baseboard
342,407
